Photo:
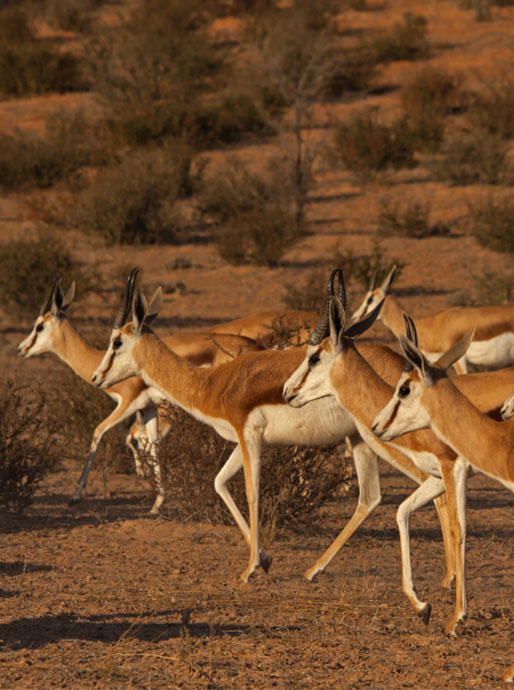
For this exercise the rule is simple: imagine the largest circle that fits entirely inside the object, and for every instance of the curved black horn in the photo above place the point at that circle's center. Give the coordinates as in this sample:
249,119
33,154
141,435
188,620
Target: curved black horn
412,335
126,302
48,304
323,328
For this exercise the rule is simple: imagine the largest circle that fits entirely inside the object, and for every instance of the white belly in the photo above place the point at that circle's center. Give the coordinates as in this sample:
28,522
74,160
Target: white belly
492,354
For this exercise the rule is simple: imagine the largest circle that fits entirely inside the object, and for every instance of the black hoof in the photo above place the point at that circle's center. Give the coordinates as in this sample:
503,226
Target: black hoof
266,562
424,614
75,500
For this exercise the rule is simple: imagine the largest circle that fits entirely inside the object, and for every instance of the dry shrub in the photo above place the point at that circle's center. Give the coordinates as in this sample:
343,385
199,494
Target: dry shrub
27,450
32,66
405,40
366,145
408,219
70,142
493,110
469,157
492,223
427,100
27,268
296,481
134,201
358,271
255,215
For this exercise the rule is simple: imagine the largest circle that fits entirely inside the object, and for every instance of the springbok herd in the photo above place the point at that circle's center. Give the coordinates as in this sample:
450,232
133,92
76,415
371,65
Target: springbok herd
421,412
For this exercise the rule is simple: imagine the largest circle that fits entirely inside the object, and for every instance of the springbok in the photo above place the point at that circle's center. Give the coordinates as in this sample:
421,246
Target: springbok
242,400
507,411
333,368
425,397
493,343
53,332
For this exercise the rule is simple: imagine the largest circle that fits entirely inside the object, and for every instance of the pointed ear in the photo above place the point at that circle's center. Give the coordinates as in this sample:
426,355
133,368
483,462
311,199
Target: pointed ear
363,325
138,312
68,297
154,306
57,298
456,351
336,321
418,360
388,280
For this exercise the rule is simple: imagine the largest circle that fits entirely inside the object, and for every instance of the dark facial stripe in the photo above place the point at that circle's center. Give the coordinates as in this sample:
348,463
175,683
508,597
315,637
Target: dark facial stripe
393,415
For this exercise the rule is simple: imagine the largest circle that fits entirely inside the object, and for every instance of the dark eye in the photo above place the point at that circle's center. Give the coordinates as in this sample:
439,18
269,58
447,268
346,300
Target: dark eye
39,327
370,300
314,359
403,391
117,344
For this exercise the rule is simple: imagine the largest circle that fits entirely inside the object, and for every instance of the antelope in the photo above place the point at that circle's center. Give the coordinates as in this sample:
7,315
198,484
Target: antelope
242,400
53,332
493,343
334,369
507,411
425,397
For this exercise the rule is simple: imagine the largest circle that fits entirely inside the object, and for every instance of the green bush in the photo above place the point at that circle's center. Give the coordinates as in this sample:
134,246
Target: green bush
366,145
69,143
135,201
404,41
468,157
255,215
492,223
32,66
27,268
27,451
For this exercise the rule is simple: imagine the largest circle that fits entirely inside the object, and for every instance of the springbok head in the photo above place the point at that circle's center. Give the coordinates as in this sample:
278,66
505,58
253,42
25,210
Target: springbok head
41,337
406,410
326,343
375,295
118,362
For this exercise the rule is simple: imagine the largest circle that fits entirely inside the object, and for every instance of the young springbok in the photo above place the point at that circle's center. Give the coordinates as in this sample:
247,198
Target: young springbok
333,368
242,400
493,343
425,397
53,332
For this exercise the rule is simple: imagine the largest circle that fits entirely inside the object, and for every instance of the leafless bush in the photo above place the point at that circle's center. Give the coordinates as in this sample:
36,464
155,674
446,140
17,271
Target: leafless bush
27,268
255,214
471,156
366,145
134,201
492,223
296,481
70,142
27,452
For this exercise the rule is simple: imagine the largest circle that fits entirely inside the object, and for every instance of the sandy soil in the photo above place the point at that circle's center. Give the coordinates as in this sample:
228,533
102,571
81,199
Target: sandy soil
104,596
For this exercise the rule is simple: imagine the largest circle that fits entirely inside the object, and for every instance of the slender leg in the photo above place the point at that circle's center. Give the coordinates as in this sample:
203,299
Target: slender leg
455,476
442,511
429,490
366,467
251,453
508,676
229,469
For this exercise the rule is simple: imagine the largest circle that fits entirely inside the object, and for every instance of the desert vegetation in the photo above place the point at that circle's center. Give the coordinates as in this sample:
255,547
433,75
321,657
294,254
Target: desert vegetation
238,150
